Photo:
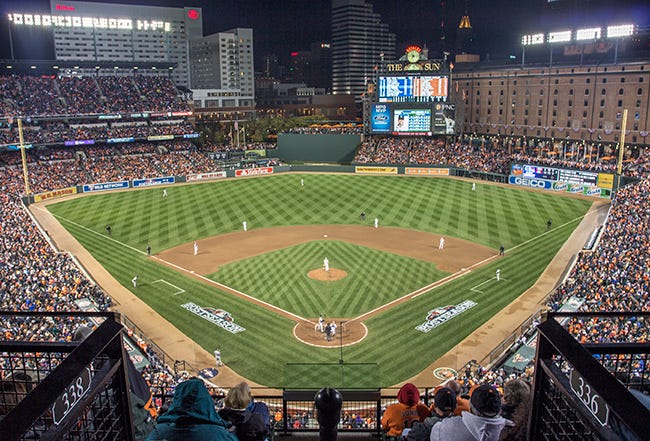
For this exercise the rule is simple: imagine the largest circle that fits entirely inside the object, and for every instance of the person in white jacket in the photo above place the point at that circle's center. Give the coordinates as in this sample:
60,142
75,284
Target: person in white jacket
482,423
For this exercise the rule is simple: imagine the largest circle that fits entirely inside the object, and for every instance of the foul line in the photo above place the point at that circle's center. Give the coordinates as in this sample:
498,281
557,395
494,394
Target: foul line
99,234
480,284
233,290
180,290
454,276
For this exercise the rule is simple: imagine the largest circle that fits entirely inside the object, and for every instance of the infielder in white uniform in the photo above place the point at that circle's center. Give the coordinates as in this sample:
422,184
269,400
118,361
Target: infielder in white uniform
196,248
134,280
245,226
441,245
376,222
326,264
498,275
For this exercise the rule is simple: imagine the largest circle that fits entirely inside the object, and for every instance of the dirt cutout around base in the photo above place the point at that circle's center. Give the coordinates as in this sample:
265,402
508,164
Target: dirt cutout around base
332,275
348,333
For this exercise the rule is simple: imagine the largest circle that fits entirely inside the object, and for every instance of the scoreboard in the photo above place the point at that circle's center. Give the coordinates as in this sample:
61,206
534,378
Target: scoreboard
404,119
413,89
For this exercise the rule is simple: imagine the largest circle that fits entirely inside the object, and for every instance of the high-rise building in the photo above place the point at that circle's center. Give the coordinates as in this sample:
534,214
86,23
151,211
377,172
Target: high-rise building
359,43
224,61
103,32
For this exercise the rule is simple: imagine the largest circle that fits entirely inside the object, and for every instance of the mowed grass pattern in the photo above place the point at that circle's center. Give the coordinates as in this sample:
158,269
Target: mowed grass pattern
374,278
492,215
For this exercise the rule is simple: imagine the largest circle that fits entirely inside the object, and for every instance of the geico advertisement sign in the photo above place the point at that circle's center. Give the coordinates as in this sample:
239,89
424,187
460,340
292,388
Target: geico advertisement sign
527,182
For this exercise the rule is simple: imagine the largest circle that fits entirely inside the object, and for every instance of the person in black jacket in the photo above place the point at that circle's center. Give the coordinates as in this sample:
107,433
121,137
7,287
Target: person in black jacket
249,423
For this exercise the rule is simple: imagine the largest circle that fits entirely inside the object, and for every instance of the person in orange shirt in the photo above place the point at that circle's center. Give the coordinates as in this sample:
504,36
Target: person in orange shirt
401,415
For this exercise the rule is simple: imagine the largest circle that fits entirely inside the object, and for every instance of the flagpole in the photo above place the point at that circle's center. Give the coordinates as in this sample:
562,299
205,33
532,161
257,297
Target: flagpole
22,155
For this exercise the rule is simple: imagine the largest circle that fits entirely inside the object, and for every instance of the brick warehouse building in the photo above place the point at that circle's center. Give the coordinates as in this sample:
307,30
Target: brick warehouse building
569,101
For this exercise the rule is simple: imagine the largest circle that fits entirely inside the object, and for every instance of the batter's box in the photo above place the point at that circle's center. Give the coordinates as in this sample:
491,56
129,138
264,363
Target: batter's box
180,290
481,284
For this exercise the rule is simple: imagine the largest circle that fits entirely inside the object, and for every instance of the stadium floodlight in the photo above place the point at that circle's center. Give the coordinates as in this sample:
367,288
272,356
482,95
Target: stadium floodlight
528,40
620,31
588,34
559,37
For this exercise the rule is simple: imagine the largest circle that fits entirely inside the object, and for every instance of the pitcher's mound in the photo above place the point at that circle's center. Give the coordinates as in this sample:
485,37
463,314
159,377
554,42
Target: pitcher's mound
327,276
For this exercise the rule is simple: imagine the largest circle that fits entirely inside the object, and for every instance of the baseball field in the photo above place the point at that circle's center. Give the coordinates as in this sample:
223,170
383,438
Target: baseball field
399,301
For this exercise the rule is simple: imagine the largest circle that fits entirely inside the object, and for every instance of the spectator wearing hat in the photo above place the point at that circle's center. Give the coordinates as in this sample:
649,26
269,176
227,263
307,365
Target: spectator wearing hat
462,403
444,403
483,422
401,415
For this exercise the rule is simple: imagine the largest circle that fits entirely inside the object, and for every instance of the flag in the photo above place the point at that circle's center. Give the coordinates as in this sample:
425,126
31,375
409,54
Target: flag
236,124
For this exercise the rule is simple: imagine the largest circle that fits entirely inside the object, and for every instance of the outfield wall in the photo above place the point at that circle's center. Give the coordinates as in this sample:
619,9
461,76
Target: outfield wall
296,147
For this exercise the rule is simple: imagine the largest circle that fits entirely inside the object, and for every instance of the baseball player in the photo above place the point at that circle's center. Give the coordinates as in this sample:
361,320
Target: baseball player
321,324
498,274
148,250
164,192
473,186
108,229
302,182
326,264
441,245
217,357
134,280
502,250
196,248
245,226
376,222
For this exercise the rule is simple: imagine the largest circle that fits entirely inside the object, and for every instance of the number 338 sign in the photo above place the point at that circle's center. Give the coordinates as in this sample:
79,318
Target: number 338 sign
72,395
594,402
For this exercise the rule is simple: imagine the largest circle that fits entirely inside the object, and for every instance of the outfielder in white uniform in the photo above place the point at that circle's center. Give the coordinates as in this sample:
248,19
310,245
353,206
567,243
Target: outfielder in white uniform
376,222
302,182
498,274
164,192
196,248
245,225
441,245
473,186
134,280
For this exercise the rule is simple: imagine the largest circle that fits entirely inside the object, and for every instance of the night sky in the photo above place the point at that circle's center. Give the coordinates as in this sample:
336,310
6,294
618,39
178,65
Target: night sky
282,26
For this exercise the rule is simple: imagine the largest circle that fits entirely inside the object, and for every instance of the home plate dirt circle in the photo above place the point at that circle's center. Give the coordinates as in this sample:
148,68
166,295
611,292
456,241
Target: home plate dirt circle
348,332
327,276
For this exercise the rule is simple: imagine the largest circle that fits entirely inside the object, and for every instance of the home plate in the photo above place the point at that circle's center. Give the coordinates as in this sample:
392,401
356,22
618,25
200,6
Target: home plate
324,235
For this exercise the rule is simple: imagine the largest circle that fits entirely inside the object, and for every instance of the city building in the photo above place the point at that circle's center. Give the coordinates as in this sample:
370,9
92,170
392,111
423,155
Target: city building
135,34
297,99
360,41
577,102
313,67
224,61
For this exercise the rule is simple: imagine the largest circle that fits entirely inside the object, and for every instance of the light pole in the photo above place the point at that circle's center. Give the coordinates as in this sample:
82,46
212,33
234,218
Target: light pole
341,323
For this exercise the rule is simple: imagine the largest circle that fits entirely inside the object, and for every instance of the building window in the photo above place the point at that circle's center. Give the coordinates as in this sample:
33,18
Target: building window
602,103
570,91
621,91
620,103
586,91
622,80
639,91
604,80
603,92
584,114
601,114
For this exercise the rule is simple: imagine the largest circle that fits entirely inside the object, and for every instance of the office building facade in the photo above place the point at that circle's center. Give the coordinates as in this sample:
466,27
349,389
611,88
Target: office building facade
360,41
102,32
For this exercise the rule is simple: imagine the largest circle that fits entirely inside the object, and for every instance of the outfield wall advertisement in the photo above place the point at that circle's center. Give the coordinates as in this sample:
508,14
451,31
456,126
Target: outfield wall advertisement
424,171
254,171
103,186
205,176
373,170
583,182
153,181
55,194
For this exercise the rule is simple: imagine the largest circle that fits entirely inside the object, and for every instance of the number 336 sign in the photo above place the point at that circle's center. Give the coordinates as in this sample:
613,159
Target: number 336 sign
72,395
589,397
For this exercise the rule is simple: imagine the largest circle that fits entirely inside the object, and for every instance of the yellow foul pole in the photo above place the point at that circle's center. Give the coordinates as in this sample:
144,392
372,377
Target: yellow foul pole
621,144
22,155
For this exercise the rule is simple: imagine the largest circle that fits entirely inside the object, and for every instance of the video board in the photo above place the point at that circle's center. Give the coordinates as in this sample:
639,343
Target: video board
413,89
412,121
416,120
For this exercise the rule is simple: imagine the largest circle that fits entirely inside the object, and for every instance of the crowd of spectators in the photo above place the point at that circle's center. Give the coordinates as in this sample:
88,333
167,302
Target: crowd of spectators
325,130
492,157
242,147
616,275
38,133
26,95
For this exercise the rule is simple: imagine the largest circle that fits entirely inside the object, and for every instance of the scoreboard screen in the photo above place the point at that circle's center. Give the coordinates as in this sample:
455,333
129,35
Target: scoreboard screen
416,89
535,172
412,121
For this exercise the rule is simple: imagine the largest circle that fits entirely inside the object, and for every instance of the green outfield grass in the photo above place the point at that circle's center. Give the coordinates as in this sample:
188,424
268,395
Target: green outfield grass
374,278
491,216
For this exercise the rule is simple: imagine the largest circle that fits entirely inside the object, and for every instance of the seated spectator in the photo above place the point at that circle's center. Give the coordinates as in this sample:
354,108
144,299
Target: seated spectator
462,404
483,421
401,415
516,407
191,417
250,420
444,403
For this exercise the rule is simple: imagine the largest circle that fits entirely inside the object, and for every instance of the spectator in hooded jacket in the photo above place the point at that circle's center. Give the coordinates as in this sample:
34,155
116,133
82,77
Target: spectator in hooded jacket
483,422
191,417
405,412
